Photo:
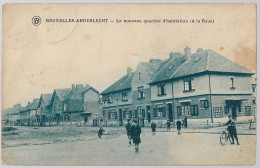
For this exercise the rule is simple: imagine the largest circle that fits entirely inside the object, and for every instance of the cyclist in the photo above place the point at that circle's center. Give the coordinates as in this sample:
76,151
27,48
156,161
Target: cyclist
232,129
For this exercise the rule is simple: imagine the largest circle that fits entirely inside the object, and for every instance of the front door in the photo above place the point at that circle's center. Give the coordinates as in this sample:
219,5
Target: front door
234,111
120,118
148,113
170,116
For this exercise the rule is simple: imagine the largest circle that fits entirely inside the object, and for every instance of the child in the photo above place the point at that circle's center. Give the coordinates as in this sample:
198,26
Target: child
178,123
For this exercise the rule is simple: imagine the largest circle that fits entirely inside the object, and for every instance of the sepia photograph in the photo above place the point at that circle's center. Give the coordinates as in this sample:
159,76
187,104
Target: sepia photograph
129,84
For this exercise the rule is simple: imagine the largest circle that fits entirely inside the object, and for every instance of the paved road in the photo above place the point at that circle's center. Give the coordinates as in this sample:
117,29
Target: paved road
164,148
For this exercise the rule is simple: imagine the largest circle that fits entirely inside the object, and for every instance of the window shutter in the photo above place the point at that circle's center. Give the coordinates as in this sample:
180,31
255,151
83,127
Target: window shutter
115,115
124,114
136,114
163,112
130,112
109,117
154,112
143,113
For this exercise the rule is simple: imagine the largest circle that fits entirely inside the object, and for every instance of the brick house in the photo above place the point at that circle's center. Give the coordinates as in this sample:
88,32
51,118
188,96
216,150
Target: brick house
11,116
205,85
29,112
56,104
118,100
44,109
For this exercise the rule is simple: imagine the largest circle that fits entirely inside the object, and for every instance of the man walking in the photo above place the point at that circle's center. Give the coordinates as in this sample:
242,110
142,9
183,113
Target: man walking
168,125
178,123
232,129
129,131
153,126
136,131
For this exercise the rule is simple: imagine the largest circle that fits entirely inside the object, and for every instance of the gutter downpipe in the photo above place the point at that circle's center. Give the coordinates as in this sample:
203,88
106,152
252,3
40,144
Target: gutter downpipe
173,106
211,113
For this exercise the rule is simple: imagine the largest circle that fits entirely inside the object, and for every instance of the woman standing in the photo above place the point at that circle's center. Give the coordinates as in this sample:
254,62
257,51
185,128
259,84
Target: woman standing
136,131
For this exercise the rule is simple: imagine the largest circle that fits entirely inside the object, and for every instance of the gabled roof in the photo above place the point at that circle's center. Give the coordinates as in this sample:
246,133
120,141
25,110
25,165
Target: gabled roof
13,110
121,84
168,68
152,67
90,88
63,93
46,98
31,106
209,61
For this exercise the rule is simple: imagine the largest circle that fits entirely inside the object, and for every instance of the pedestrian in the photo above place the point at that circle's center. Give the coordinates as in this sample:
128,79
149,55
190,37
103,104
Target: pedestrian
168,123
153,126
129,131
100,132
185,122
136,131
178,123
232,129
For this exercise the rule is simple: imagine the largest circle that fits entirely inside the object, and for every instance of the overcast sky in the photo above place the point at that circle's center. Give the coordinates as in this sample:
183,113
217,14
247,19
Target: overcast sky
38,59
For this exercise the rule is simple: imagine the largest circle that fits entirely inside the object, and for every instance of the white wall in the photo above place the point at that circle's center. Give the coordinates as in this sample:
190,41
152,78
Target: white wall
220,84
168,91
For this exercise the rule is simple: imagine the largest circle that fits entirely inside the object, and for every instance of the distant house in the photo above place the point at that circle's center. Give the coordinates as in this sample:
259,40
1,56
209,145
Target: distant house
75,104
11,115
118,99
44,109
91,106
29,112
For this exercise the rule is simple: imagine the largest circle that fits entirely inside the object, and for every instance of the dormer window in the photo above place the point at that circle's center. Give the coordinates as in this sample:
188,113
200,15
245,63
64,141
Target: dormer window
124,95
110,98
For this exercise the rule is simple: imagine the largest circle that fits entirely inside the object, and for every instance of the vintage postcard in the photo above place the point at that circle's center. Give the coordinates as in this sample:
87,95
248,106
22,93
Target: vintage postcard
128,85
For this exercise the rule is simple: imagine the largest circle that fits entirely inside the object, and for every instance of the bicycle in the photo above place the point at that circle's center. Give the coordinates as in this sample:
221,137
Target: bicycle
224,137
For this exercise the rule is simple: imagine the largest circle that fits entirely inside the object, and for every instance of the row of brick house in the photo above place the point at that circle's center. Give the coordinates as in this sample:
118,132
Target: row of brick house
200,85
203,85
75,105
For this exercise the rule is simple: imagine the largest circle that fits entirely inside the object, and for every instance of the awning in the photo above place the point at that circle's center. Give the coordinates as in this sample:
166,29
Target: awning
235,99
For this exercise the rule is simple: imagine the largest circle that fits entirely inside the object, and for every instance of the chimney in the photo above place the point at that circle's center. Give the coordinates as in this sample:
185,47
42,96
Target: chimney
29,103
171,55
129,71
187,52
77,86
73,87
199,50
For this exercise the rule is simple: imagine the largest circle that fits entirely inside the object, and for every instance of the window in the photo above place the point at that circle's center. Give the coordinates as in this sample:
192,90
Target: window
140,112
161,89
160,111
189,84
248,111
104,113
218,112
231,78
110,98
204,103
186,109
194,110
112,115
140,92
124,95
60,106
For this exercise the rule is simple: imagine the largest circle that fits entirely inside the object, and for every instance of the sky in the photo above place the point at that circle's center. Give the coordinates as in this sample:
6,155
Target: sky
38,59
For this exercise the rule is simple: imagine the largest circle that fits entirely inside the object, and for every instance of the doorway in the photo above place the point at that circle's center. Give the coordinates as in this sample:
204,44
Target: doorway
148,109
170,116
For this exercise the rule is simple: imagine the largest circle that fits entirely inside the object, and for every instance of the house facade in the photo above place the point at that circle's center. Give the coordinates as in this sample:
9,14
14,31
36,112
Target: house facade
200,85
11,115
28,113
117,100
207,85
44,109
